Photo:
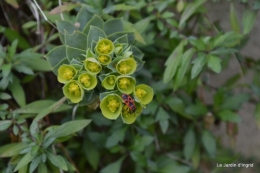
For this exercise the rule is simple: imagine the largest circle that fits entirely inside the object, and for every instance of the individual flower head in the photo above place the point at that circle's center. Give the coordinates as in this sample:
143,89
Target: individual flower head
126,66
104,59
104,47
125,84
92,66
143,93
109,82
66,73
129,117
111,106
73,91
87,81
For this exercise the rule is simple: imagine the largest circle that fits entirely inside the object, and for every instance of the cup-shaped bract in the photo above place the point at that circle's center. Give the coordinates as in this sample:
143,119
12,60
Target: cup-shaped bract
111,106
126,66
129,117
126,84
66,73
87,81
118,48
104,59
92,66
109,82
143,93
73,91
104,47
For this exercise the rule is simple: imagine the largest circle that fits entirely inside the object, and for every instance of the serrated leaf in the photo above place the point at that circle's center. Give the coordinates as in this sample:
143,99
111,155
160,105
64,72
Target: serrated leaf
214,63
189,144
227,115
25,160
209,143
113,167
198,64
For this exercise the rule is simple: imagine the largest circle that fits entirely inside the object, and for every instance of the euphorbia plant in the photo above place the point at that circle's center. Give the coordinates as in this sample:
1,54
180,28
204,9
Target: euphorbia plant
102,50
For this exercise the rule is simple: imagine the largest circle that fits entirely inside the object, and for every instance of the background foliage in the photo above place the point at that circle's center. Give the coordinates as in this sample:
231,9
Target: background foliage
40,132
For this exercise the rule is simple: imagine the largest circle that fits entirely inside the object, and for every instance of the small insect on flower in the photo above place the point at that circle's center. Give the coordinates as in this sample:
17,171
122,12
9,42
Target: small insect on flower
129,102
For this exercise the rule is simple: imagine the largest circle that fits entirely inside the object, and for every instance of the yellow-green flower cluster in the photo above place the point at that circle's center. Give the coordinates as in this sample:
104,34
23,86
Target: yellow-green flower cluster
76,80
102,50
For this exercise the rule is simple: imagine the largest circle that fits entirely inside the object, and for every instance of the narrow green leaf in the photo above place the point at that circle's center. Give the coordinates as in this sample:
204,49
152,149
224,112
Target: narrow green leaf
57,161
257,115
189,11
12,49
12,35
130,36
116,137
113,167
17,91
209,142
178,168
22,68
163,116
42,168
35,162
229,116
198,64
12,149
172,63
13,3
64,8
68,128
23,169
234,102
5,96
5,124
189,144
234,19
196,157
40,105
214,63
248,21
92,154
185,62
24,161
142,24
